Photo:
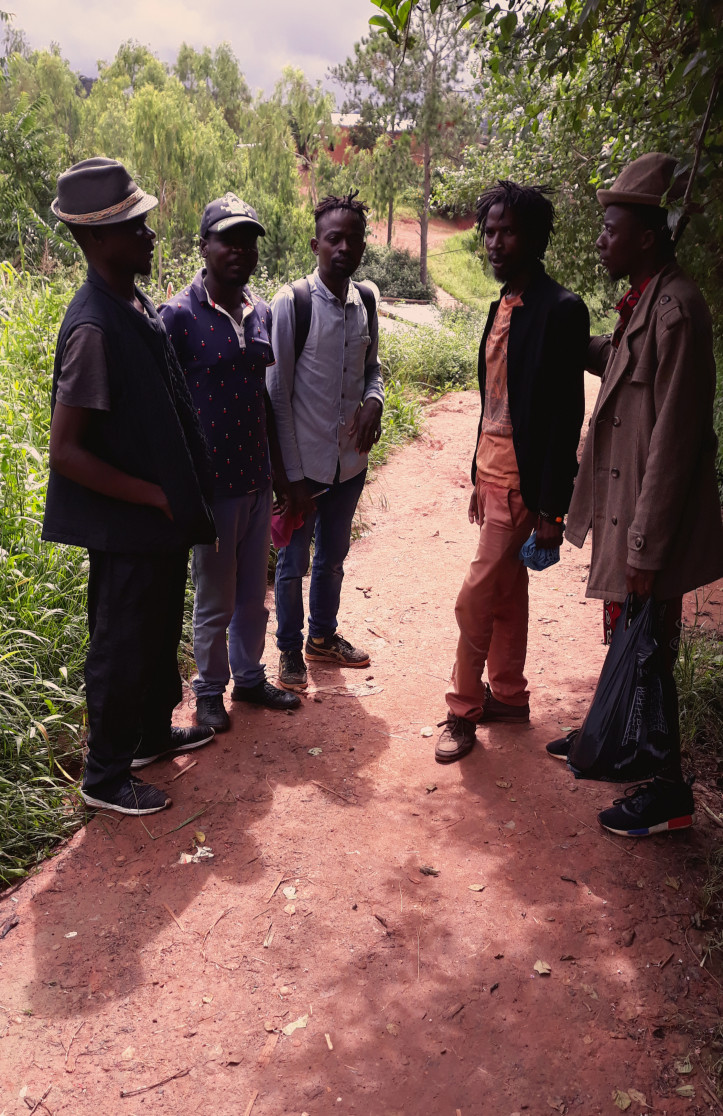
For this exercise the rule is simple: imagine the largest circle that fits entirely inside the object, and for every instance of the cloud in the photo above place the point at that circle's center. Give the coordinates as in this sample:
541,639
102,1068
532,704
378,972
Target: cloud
265,37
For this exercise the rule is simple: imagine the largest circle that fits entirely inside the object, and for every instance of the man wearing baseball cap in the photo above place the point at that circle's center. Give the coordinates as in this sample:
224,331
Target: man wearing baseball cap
647,483
129,481
221,332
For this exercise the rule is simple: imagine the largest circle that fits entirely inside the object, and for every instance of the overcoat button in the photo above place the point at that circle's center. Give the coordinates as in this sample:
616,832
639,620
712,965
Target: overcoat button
664,299
615,473
614,521
638,542
616,421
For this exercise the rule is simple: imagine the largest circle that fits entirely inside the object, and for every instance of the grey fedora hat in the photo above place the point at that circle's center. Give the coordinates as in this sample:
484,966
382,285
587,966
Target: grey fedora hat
99,192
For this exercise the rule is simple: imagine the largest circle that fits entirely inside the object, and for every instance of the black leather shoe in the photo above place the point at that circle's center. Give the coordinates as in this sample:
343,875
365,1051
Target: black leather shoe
264,693
210,710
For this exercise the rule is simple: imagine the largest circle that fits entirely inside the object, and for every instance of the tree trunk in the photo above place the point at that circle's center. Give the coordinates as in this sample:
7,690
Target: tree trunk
390,222
424,216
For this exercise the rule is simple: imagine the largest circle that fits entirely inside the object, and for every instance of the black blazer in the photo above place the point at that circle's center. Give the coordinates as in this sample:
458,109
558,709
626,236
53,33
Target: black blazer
546,351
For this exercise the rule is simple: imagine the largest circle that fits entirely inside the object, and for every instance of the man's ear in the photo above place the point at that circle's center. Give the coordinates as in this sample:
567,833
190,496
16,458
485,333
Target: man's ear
314,245
202,243
647,240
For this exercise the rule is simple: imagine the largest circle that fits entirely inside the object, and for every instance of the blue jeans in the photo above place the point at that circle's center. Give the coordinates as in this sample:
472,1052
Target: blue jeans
230,586
331,530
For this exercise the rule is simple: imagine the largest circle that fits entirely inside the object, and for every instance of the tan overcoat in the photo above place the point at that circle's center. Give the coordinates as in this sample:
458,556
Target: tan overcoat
647,483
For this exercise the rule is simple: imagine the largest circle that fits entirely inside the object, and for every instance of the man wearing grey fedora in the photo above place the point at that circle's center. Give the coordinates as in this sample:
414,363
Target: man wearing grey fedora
129,481
647,482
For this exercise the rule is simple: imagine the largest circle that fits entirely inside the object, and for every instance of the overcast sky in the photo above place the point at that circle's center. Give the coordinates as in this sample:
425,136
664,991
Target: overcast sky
264,34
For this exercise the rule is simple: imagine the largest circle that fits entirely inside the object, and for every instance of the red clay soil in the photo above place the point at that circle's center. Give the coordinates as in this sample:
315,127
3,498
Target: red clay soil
419,992
406,232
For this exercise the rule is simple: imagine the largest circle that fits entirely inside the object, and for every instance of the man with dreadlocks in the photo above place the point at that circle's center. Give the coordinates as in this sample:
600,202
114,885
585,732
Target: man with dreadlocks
531,362
327,396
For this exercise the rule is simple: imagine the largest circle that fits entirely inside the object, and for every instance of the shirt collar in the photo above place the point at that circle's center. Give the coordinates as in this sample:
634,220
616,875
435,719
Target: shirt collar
316,282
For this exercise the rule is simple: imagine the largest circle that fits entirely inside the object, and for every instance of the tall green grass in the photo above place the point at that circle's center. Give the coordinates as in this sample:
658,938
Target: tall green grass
42,591
458,270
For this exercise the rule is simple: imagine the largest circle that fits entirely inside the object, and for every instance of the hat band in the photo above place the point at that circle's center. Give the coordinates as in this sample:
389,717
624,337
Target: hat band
101,214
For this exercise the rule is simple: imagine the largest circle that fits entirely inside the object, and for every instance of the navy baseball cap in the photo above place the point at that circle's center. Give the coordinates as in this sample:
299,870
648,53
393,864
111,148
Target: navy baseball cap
225,212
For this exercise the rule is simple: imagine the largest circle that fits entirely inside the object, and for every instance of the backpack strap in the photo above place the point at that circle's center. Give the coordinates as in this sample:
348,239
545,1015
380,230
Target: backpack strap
370,302
302,314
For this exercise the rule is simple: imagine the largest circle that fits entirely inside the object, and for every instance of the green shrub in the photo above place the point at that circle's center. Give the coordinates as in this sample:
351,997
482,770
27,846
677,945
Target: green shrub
434,360
395,271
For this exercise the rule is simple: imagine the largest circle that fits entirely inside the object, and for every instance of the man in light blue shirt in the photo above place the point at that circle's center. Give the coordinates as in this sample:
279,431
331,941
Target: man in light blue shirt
327,401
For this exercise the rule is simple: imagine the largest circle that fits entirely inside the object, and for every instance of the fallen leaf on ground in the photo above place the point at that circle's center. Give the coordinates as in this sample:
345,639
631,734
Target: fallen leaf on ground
685,1091
673,881
315,751
542,968
203,852
269,937
587,1040
427,871
269,1026
590,991
289,892
509,825
503,783
621,1099
128,1053
393,1028
427,731
200,837
638,1097
207,999
684,1065
431,788
477,887
567,957
291,1027
290,909
628,938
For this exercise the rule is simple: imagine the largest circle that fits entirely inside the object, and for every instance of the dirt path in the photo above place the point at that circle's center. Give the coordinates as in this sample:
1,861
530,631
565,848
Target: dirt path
420,992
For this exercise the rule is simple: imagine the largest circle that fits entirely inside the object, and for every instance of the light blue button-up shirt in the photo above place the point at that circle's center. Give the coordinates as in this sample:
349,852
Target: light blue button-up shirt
314,399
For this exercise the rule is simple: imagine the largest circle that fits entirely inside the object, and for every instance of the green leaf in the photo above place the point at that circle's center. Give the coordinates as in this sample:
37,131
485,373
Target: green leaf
508,24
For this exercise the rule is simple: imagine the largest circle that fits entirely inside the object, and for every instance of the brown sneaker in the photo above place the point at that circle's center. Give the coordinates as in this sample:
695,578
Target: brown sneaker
292,670
494,710
335,649
456,740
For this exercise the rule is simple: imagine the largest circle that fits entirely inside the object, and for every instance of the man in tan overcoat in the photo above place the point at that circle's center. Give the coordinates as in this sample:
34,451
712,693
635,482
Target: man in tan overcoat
647,482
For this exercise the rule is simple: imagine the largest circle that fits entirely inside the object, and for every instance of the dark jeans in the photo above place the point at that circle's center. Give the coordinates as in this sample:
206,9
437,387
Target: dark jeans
135,616
331,530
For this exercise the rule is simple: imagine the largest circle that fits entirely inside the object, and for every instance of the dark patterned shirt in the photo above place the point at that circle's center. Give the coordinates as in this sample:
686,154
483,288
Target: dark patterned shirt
225,365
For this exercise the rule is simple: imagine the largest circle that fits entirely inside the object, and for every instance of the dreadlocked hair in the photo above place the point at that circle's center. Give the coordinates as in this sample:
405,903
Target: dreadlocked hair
345,201
531,206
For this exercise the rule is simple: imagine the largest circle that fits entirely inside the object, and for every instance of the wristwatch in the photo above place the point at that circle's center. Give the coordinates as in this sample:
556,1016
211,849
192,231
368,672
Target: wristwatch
549,518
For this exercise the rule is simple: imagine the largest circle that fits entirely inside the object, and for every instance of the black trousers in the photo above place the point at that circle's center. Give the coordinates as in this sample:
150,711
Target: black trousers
135,616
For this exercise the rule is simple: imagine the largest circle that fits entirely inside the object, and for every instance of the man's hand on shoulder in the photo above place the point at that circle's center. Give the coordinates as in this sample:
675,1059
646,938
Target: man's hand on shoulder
367,425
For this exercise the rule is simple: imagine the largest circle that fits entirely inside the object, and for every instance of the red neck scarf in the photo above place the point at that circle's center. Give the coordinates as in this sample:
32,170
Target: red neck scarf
625,308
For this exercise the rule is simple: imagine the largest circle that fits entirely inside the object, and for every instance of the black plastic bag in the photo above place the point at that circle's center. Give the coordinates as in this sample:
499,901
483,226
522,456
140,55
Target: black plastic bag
627,732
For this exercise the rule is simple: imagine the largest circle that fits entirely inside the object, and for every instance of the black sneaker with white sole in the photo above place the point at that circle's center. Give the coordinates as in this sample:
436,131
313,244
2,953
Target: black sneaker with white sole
132,797
560,749
657,806
179,740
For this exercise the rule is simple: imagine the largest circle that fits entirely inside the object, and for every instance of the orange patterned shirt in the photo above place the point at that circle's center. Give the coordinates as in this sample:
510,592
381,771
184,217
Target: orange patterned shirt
496,458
